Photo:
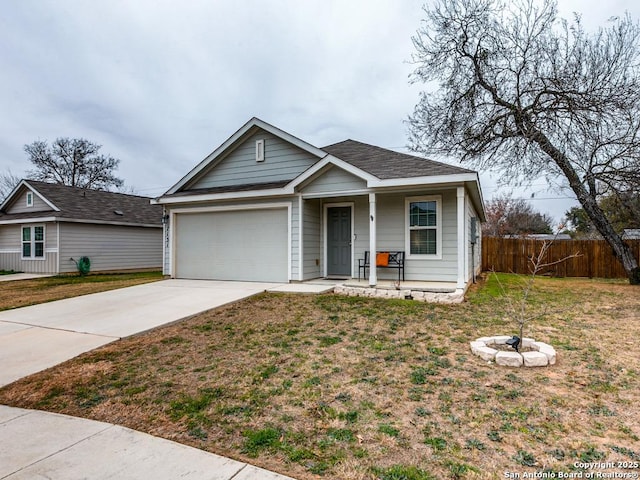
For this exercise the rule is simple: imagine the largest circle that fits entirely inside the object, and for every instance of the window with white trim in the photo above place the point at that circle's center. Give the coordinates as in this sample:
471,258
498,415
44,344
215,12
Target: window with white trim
423,226
29,199
33,242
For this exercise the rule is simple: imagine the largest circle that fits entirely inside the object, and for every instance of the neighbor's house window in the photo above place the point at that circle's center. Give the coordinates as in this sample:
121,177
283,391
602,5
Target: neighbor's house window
424,236
29,199
33,242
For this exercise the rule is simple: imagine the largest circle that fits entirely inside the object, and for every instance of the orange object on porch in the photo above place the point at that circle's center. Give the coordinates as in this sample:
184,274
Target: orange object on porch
382,259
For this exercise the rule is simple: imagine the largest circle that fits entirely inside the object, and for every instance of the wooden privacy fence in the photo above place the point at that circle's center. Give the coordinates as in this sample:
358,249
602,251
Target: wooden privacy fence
511,255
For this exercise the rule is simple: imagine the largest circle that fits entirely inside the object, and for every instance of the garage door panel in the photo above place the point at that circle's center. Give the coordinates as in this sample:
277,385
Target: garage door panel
233,245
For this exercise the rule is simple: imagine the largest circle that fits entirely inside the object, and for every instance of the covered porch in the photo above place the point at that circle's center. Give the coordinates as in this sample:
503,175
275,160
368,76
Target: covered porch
337,230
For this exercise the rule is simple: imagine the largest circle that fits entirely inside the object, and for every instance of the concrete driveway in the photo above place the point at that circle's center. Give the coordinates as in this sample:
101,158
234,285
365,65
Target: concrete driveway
37,444
41,336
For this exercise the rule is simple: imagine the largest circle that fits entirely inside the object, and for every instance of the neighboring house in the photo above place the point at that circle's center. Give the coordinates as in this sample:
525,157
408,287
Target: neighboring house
267,206
46,228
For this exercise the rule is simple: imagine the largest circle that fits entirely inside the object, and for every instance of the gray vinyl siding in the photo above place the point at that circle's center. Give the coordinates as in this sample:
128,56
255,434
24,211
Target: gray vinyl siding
110,247
312,260
10,237
19,205
361,229
283,161
391,234
335,180
13,261
475,254
11,250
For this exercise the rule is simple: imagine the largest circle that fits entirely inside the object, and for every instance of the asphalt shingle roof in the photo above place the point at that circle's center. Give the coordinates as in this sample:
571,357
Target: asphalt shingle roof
244,187
83,204
386,164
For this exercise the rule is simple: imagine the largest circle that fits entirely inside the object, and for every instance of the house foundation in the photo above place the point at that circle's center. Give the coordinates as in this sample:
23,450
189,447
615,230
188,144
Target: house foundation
437,293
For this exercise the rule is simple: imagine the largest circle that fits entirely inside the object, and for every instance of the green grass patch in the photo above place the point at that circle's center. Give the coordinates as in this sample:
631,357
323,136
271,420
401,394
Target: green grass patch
525,458
437,443
419,375
389,430
341,434
402,472
192,406
327,341
257,441
8,272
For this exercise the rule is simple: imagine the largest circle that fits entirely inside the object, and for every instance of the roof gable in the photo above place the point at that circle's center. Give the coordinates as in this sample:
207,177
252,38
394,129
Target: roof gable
16,201
332,179
240,137
281,161
81,204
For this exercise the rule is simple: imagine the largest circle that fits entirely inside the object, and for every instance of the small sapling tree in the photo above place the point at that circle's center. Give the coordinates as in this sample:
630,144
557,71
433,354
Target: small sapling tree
519,305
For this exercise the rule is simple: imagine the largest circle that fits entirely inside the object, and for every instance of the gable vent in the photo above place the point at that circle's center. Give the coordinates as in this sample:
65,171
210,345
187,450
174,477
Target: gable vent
260,150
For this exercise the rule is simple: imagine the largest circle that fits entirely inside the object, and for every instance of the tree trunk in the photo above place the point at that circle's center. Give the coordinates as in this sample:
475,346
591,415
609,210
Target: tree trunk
620,249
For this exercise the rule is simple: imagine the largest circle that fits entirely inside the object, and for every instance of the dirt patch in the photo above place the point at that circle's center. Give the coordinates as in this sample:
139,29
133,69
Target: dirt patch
358,388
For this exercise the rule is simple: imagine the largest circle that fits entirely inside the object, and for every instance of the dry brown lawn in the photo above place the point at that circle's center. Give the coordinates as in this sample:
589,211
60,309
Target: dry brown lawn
20,293
352,388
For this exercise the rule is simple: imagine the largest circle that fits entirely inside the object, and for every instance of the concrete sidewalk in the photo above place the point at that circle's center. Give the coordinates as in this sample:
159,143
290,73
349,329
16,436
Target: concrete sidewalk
36,444
46,445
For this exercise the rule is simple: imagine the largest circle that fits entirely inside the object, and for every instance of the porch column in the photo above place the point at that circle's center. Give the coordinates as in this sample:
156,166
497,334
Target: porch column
300,238
462,236
373,280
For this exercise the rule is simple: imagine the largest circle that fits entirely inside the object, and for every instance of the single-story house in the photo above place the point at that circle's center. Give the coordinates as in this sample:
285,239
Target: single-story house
268,206
47,228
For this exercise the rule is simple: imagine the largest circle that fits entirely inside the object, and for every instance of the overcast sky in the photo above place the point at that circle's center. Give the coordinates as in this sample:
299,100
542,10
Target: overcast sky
160,84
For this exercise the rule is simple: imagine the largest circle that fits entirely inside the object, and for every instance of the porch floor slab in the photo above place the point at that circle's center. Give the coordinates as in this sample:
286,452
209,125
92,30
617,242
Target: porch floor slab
435,287
314,287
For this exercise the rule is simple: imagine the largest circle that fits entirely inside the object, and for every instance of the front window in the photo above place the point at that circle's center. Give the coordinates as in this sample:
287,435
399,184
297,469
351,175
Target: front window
423,223
33,242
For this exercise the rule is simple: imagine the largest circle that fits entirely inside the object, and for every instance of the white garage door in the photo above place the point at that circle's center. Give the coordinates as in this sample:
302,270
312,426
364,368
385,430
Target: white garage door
232,245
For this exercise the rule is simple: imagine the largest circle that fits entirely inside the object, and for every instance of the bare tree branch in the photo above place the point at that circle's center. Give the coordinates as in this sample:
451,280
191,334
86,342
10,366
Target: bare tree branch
8,181
74,162
532,95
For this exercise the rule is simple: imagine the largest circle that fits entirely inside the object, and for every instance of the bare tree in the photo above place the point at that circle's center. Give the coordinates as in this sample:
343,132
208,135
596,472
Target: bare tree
73,162
520,90
508,216
8,181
